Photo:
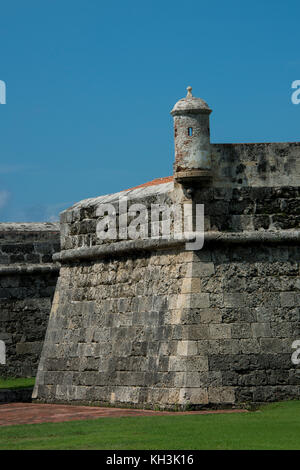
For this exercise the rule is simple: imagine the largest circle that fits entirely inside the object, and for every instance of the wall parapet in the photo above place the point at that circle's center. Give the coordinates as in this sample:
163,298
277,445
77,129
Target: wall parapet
28,243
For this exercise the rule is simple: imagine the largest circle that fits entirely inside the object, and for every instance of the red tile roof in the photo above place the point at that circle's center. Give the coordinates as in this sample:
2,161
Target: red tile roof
166,179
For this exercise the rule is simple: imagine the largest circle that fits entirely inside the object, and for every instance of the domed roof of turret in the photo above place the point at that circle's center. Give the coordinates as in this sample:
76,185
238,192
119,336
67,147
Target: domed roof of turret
190,104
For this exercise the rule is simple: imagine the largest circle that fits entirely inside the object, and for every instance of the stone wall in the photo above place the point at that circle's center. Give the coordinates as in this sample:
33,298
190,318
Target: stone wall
148,323
252,165
114,344
79,222
27,283
254,187
176,329
252,320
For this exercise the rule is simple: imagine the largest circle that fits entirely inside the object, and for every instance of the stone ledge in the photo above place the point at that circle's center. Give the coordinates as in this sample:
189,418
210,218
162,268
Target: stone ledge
28,268
29,227
282,236
124,247
117,248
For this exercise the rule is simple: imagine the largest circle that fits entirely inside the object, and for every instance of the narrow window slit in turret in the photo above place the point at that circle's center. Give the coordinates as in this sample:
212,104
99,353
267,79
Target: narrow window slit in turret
190,131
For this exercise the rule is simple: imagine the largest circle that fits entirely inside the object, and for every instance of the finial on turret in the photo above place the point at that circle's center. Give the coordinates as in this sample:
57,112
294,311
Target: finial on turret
189,92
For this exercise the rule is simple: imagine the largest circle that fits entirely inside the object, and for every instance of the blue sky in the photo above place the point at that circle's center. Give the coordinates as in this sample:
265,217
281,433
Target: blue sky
90,85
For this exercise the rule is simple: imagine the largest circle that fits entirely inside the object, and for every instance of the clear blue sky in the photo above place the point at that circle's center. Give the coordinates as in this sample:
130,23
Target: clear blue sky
90,85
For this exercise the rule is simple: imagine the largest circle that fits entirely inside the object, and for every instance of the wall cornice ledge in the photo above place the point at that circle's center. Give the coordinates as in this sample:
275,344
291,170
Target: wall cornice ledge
123,247
8,269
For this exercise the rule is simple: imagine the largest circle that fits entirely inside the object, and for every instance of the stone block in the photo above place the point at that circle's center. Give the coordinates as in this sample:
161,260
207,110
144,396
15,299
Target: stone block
202,269
241,330
29,347
234,299
228,346
249,346
210,315
221,331
193,396
272,345
287,299
187,348
190,285
190,363
221,395
200,300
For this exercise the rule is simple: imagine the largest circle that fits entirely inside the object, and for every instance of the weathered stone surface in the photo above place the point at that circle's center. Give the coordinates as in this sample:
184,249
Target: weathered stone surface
27,283
154,349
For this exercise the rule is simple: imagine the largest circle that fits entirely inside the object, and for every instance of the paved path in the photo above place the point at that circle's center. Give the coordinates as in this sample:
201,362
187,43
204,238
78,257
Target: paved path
28,413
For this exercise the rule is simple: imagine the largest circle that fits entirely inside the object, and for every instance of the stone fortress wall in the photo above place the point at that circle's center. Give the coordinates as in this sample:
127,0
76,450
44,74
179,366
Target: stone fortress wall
27,283
148,323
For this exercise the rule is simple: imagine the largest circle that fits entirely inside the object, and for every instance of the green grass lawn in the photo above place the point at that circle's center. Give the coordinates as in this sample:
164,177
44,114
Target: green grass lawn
275,426
15,383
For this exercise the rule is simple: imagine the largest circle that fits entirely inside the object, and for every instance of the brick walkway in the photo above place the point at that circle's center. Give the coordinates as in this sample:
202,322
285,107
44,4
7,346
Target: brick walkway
28,413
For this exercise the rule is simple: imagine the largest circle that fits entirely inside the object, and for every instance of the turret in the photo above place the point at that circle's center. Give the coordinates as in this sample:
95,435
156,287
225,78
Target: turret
192,139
